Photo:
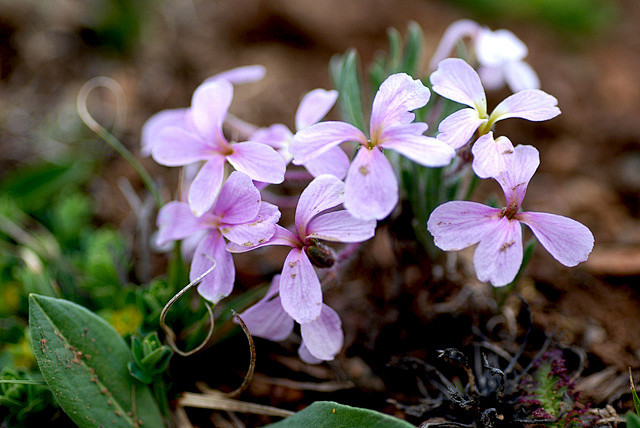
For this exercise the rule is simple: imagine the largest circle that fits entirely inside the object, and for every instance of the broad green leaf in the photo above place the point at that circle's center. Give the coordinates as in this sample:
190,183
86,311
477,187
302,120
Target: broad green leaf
84,362
633,421
328,414
345,73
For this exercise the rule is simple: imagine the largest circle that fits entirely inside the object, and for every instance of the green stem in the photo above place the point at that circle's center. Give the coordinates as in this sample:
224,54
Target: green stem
160,393
24,382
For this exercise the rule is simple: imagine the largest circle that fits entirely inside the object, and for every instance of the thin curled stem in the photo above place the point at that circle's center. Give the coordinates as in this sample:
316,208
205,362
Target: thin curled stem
252,364
171,336
108,137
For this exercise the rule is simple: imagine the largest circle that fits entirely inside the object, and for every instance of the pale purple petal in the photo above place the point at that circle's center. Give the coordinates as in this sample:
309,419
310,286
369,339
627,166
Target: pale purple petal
190,243
520,168
314,106
258,161
177,221
568,241
267,318
239,200
280,237
521,76
323,336
457,129
160,120
319,138
371,187
300,288
452,35
306,356
322,193
341,226
459,224
489,155
458,81
496,48
398,95
277,136
219,283
204,189
244,74
421,149
209,107
492,77
334,162
176,147
256,231
498,257
530,104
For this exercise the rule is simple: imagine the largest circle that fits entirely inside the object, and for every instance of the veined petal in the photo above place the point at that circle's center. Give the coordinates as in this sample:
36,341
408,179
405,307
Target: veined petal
319,138
334,162
496,48
323,336
520,76
256,231
322,193
258,161
521,166
219,283
421,149
398,95
341,226
244,74
452,35
204,188
280,237
459,224
300,289
160,120
456,80
190,243
277,136
177,221
267,318
209,106
457,129
498,257
371,187
306,356
489,155
175,146
567,240
314,106
239,200
530,104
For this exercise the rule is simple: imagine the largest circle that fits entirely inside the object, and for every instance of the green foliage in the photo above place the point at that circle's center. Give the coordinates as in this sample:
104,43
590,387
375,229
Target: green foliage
345,73
116,24
328,414
21,395
633,420
84,362
150,357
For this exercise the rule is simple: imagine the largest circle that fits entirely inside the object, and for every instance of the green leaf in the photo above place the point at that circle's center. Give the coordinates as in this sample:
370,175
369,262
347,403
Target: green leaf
345,73
84,362
328,414
633,421
413,48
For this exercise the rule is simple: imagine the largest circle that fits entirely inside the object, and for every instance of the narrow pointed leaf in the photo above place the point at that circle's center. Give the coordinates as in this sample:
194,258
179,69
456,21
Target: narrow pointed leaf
345,73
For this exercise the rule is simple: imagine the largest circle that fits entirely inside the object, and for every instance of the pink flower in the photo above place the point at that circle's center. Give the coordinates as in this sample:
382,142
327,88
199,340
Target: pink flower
371,190
322,338
238,215
313,107
459,224
300,288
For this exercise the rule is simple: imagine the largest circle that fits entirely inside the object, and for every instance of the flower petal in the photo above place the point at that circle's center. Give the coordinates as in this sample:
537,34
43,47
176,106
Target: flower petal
319,138
492,77
371,188
204,188
530,104
219,283
520,168
496,48
322,193
457,129
244,74
267,318
398,95
323,336
456,80
258,161
421,149
459,224
277,136
341,226
280,237
306,356
314,106
256,231
521,76
175,146
239,200
177,221
498,257
489,155
209,107
300,288
567,240
165,118
334,162
452,35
